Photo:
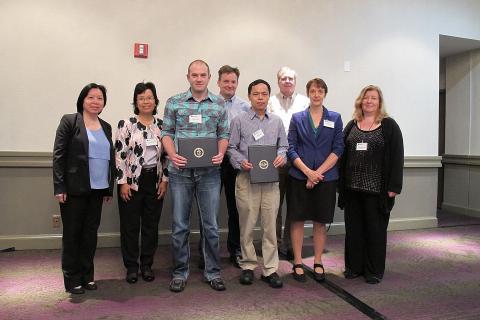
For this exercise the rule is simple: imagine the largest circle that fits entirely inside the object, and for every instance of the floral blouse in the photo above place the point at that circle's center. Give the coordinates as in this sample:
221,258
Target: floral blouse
130,147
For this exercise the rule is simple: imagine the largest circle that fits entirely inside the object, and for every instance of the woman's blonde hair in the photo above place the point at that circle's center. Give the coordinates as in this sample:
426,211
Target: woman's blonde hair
358,112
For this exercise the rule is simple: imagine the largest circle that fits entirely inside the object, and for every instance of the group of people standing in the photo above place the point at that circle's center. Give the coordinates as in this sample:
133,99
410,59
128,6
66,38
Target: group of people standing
315,156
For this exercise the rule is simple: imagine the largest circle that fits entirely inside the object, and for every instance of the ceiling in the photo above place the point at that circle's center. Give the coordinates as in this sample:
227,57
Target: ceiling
450,46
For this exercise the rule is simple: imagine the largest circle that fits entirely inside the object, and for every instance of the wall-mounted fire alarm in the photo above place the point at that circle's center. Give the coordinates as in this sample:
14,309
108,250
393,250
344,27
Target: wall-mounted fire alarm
140,50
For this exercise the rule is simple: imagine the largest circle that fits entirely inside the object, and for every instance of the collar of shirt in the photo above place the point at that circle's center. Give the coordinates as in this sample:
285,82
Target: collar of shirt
252,114
189,96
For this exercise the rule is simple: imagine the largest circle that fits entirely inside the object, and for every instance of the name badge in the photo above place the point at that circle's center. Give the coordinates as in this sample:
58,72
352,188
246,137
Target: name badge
195,118
328,124
151,142
362,146
258,134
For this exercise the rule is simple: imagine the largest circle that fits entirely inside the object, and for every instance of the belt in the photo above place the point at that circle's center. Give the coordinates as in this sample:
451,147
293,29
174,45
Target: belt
150,169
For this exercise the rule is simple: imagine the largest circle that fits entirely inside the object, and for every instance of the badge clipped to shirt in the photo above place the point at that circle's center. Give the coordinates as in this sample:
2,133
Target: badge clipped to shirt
258,134
328,124
195,118
151,142
362,146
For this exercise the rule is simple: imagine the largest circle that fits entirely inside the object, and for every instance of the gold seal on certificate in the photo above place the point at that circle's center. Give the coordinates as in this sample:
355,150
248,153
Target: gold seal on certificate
261,157
198,151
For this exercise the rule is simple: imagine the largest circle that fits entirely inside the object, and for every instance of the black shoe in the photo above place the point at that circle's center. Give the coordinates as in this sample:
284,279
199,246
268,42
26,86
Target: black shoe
91,286
235,260
300,277
273,280
349,274
76,290
319,276
131,277
148,275
373,279
246,277
177,285
217,284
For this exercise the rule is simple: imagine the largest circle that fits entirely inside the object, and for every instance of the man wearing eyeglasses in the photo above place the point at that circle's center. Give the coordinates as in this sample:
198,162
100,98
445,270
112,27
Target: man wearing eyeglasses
284,104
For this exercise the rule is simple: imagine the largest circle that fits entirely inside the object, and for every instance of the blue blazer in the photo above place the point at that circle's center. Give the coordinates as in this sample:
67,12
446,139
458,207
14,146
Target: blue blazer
314,150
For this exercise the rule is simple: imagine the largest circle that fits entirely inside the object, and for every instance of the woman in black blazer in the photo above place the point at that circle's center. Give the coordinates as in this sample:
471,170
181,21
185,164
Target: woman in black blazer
83,175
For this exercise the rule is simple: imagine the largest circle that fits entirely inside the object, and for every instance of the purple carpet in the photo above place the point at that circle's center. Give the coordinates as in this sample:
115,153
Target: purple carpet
431,274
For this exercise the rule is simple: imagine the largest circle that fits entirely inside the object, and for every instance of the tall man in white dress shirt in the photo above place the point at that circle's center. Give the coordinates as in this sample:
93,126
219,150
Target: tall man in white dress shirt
284,104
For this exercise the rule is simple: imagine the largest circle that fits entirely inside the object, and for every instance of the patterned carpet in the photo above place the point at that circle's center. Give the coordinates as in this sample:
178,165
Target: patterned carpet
431,274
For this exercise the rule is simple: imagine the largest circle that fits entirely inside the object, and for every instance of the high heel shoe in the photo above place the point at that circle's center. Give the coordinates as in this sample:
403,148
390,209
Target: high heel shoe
300,277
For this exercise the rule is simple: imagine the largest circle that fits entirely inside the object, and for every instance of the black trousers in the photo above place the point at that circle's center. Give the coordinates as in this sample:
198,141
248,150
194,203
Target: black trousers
366,225
80,219
229,176
283,241
140,216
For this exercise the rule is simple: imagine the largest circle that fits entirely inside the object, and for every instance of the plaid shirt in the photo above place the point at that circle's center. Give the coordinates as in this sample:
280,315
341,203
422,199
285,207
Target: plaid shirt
179,108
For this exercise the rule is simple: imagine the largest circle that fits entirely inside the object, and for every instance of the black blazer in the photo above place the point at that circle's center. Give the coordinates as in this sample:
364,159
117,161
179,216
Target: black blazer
70,156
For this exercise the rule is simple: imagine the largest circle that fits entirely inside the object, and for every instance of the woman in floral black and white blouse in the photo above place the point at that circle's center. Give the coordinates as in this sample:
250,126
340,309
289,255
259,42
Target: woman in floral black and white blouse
142,182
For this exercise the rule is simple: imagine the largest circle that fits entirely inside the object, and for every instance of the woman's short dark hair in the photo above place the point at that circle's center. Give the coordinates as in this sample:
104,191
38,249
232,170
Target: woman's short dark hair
83,94
318,83
257,82
140,88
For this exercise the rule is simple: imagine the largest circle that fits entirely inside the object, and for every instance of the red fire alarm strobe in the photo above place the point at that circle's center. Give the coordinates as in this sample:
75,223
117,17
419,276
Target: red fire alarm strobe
140,50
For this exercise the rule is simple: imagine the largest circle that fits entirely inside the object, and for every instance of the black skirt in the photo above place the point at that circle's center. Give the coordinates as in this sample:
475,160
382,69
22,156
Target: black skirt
316,204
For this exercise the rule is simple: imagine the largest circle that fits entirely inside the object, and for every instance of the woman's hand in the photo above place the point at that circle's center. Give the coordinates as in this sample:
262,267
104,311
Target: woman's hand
178,161
125,192
162,189
107,199
313,176
217,159
391,194
61,197
310,184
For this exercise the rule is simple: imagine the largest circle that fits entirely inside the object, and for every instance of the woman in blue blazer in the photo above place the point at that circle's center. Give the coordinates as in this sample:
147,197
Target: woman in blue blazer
315,141
83,175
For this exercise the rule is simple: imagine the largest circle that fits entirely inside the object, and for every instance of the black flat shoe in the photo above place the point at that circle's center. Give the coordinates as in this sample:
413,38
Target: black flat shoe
246,277
349,274
300,277
91,286
217,284
148,275
131,277
76,290
319,276
273,280
373,279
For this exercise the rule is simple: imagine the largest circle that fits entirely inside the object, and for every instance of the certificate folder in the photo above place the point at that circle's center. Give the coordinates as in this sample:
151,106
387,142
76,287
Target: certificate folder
261,157
198,151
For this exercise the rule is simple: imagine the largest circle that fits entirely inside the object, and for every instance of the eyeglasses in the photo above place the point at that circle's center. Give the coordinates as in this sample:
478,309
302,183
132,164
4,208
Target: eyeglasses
142,99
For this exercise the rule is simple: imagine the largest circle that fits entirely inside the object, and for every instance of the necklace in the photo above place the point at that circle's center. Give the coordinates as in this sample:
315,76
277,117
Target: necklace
369,128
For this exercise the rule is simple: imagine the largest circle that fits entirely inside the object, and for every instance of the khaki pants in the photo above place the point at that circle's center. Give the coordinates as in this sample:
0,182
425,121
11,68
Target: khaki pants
252,200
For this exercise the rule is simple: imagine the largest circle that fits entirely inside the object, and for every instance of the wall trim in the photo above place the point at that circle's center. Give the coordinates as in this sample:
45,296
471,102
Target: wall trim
461,209
458,159
112,239
34,159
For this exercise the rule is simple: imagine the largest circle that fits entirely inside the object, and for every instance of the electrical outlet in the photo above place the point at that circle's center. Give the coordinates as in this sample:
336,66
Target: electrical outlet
56,220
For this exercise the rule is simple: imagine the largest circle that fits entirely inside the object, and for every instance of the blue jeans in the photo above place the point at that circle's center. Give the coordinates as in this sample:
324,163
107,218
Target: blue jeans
204,185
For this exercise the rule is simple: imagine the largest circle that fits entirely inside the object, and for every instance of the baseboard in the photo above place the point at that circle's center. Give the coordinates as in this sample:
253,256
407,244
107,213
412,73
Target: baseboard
106,240
461,210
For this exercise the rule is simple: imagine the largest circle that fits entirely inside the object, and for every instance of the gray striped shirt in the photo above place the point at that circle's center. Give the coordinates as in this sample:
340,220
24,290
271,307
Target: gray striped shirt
242,131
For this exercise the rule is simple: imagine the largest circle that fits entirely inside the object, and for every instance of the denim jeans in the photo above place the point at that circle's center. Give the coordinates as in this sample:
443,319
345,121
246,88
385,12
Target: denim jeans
204,185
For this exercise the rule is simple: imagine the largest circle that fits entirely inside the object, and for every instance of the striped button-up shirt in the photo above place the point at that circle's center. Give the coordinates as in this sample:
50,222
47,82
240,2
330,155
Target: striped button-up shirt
245,125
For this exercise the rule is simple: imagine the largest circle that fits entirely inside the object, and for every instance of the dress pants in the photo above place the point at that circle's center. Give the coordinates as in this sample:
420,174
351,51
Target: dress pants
254,200
140,215
366,225
229,176
283,241
80,219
